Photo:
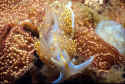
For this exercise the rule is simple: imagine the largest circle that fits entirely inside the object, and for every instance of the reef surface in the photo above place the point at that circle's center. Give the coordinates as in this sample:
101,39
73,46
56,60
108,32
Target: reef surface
70,38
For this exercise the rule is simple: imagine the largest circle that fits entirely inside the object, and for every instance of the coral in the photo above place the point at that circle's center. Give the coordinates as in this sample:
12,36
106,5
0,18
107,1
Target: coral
3,33
16,56
95,4
80,41
114,75
28,14
114,9
89,43
5,4
21,10
113,33
86,15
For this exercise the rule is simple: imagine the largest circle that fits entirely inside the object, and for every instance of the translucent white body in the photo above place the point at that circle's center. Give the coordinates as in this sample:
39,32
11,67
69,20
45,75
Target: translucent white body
50,37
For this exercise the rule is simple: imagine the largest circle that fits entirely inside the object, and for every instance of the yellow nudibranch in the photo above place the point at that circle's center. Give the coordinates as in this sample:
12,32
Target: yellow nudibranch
56,40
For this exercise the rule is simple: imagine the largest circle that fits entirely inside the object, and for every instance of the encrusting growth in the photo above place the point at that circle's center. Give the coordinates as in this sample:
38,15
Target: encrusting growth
16,54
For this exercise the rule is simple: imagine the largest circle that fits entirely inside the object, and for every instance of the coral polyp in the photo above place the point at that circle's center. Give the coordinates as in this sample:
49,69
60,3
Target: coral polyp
16,57
113,33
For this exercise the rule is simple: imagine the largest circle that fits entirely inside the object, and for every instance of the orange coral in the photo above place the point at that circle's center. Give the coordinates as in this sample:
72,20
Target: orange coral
16,54
88,43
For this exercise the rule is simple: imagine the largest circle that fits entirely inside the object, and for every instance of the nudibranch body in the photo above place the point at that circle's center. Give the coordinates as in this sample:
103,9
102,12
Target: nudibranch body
56,39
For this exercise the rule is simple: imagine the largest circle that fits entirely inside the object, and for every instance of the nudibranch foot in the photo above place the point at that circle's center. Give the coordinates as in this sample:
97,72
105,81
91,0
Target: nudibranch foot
59,78
68,68
80,67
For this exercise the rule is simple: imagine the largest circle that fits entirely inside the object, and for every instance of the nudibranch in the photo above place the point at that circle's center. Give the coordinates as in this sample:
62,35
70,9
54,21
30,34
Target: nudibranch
16,53
55,37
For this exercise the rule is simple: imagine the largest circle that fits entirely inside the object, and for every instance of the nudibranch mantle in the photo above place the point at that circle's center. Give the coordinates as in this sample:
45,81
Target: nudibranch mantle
73,15
58,22
65,16
113,33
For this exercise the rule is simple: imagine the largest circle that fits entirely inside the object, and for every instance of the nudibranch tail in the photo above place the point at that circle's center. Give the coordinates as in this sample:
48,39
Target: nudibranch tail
59,78
68,68
80,67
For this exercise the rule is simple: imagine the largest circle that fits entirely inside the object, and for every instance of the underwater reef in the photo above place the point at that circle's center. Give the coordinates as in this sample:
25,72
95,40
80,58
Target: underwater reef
62,41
